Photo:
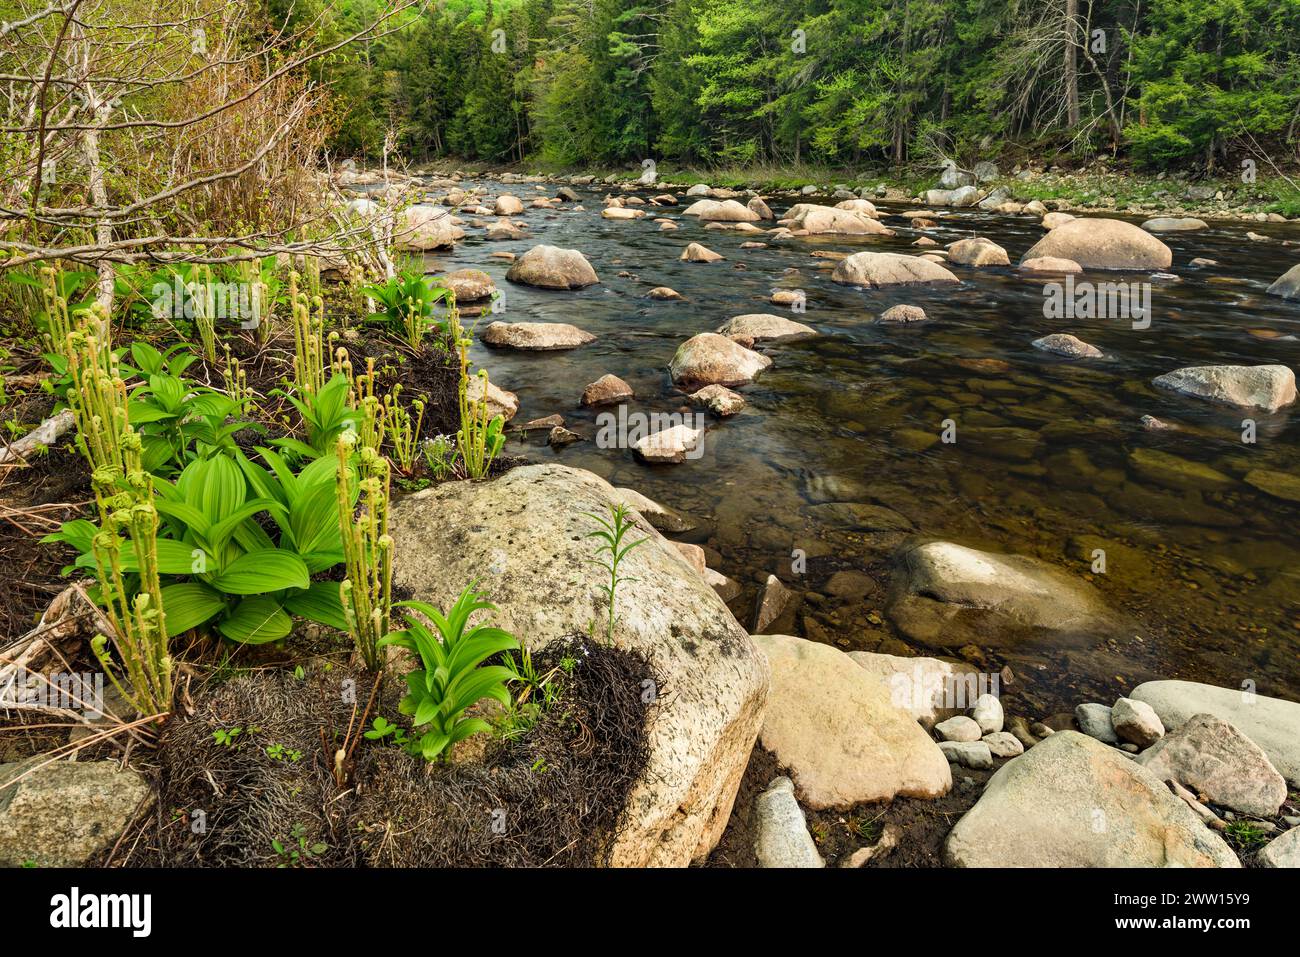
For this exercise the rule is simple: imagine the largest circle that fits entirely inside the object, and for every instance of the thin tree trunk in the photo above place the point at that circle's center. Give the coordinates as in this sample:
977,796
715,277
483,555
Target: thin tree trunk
1071,63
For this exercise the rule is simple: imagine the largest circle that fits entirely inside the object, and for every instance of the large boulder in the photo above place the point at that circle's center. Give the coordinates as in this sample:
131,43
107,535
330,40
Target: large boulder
421,227
508,205
1268,387
1218,762
1288,284
829,220
63,814
836,728
1102,244
948,595
721,211
961,196
553,268
977,252
711,359
1271,723
532,560
889,269
534,336
470,285
764,327
1071,801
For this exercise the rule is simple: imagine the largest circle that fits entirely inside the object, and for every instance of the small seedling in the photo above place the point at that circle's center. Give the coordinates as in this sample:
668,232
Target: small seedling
297,852
226,736
610,555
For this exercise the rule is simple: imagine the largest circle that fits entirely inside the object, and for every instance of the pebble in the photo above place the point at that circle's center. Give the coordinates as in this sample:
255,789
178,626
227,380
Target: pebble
971,754
988,713
959,729
1004,744
1094,721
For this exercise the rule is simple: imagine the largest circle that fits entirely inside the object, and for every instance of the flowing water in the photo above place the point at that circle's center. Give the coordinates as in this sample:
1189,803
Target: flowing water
1041,465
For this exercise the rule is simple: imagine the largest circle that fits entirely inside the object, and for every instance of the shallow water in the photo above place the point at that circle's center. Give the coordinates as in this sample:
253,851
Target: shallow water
1211,580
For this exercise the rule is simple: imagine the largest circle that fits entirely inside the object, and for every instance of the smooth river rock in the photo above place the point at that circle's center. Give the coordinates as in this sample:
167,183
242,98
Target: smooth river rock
1103,244
531,560
1267,387
834,726
551,267
711,359
764,327
535,336
889,269
977,252
1071,801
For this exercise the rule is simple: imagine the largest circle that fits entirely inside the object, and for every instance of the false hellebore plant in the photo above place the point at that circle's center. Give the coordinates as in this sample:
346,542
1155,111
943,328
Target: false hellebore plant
224,569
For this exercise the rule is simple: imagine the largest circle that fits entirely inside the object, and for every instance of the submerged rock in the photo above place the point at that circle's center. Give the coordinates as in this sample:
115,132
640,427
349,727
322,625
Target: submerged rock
764,327
834,726
903,312
551,267
1174,224
544,589
948,595
1267,387
711,359
1103,244
1065,344
1071,801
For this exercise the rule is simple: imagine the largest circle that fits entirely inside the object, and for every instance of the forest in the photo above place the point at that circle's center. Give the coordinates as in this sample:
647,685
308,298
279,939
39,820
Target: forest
841,83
